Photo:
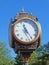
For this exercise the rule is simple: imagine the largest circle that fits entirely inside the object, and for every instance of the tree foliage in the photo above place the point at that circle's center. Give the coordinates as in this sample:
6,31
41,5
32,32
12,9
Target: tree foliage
42,54
32,59
5,57
18,60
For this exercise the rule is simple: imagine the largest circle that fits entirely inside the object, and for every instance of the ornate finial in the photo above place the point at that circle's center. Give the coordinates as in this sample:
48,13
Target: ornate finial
31,13
36,19
16,16
22,10
11,21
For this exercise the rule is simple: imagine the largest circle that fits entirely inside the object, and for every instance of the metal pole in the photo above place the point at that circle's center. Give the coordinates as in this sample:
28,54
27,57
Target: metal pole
26,63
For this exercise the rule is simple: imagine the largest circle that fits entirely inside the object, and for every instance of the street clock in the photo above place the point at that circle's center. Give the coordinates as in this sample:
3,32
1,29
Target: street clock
25,34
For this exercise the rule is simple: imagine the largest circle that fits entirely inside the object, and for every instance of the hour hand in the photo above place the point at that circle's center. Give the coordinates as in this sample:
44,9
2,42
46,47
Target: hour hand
25,28
25,34
29,35
26,31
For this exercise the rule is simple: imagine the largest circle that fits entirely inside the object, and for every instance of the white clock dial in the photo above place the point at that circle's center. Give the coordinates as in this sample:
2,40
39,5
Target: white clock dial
25,30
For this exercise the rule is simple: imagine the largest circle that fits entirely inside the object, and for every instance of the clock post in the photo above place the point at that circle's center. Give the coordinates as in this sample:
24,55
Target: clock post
25,35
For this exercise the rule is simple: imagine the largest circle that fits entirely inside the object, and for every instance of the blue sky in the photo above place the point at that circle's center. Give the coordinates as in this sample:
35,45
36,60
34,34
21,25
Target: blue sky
9,8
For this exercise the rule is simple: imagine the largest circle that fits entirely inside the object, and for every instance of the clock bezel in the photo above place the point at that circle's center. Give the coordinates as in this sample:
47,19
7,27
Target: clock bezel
24,42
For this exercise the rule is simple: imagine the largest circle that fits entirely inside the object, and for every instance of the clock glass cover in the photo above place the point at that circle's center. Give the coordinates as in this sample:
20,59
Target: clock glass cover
26,30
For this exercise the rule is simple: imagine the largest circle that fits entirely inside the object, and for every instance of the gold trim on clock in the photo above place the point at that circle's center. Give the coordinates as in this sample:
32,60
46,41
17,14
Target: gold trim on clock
21,17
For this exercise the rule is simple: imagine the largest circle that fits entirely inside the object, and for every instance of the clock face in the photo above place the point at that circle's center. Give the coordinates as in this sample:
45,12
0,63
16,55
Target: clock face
26,30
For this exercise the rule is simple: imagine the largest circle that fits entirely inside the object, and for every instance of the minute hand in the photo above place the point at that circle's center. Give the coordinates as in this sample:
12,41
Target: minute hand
27,31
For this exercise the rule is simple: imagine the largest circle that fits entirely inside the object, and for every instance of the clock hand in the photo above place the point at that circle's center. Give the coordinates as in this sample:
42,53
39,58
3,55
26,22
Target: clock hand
30,36
26,30
26,34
